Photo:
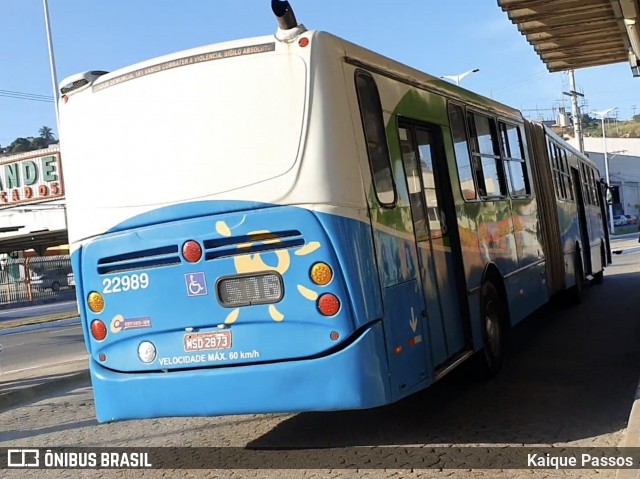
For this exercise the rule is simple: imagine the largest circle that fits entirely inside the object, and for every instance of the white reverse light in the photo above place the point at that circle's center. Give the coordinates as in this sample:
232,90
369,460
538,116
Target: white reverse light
146,352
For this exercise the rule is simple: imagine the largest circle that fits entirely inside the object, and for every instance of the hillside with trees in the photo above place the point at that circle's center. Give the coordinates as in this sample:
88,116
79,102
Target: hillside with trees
613,128
20,145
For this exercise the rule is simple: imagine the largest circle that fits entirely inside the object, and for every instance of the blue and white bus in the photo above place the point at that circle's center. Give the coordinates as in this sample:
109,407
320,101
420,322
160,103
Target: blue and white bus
295,223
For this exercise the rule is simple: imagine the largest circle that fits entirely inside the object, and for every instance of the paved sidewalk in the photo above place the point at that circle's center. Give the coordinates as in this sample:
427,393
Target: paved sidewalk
625,241
622,245
625,245
632,437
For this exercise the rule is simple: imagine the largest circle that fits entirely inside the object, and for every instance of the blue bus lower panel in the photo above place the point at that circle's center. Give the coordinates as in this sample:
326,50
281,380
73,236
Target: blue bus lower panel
353,378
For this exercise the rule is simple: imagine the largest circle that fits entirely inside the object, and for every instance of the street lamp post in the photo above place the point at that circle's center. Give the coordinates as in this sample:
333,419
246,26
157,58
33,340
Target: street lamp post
458,78
54,80
603,115
52,62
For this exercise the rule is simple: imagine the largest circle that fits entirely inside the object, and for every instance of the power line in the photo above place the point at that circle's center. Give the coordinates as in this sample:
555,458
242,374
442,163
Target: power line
523,81
25,93
18,95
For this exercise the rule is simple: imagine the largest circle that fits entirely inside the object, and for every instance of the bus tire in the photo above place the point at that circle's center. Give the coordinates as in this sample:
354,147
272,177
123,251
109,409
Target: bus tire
598,278
578,288
494,330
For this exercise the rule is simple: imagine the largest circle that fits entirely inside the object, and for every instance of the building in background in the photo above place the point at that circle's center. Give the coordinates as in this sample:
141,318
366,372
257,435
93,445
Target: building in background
34,251
624,170
32,204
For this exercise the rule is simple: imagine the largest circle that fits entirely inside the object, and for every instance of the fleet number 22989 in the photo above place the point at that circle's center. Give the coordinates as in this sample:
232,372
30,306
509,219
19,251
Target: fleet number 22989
125,283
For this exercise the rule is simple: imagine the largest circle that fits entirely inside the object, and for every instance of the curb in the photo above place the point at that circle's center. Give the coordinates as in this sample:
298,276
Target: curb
42,325
18,323
629,249
30,394
632,437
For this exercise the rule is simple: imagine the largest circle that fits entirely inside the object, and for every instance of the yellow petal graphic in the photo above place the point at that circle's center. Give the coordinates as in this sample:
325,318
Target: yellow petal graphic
275,314
223,229
252,233
267,236
308,248
233,315
307,293
249,263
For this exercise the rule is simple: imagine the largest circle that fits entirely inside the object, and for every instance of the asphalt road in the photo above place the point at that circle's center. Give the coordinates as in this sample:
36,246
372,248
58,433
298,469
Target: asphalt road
570,381
27,350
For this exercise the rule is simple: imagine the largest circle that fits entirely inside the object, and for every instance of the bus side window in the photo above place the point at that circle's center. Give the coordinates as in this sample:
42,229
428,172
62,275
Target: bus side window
486,156
461,146
414,184
476,163
594,188
374,132
567,175
515,164
585,184
556,161
562,174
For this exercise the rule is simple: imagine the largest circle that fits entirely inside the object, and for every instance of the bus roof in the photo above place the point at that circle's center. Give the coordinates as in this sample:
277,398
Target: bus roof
567,146
228,49
357,54
353,53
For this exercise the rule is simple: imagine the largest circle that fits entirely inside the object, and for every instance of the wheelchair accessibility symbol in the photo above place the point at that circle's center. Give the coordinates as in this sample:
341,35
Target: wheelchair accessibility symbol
196,284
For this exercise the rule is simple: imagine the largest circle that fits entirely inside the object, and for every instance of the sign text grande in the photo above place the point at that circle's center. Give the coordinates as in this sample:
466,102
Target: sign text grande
30,180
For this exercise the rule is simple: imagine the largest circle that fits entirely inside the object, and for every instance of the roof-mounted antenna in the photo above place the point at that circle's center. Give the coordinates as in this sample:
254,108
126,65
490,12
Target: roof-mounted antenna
288,26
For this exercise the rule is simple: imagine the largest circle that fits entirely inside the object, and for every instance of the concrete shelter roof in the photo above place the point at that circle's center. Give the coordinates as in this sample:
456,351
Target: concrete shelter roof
573,34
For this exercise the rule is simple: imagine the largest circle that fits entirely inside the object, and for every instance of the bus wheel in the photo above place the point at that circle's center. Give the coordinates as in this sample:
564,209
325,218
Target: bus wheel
494,324
598,278
576,293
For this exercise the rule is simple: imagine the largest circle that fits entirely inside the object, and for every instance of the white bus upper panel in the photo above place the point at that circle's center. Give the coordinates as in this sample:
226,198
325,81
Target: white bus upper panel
186,126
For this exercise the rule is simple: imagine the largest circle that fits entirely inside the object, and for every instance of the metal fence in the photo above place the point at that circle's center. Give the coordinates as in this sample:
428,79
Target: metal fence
30,279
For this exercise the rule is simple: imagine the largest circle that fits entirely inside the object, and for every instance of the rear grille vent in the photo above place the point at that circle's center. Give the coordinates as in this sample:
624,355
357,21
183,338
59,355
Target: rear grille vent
148,258
252,244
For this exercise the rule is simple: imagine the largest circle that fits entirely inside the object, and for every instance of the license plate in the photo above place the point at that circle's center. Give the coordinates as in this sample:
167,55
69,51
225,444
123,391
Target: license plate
207,341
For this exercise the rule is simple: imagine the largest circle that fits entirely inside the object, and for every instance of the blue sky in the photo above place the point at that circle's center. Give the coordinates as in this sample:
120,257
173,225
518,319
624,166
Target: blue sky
439,37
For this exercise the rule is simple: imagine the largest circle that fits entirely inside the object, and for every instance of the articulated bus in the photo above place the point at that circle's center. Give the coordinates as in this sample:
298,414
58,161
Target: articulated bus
313,226
574,225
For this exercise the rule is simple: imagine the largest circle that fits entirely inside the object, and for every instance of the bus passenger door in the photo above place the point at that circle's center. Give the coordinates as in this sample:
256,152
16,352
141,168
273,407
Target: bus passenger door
582,220
435,227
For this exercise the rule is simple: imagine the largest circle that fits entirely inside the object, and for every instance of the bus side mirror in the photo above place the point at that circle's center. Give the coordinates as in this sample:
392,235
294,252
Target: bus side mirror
609,196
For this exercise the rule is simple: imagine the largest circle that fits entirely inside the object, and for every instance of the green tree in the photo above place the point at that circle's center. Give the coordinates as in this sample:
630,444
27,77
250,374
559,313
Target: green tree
19,145
47,134
39,143
589,122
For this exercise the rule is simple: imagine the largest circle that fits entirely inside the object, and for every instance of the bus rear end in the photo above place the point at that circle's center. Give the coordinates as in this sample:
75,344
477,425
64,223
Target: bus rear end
202,289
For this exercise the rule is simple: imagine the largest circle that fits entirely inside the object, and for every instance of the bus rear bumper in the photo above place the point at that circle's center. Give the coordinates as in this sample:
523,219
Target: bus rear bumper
355,377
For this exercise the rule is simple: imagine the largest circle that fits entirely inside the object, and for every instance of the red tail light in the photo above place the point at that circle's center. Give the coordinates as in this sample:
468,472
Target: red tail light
98,330
328,304
192,251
